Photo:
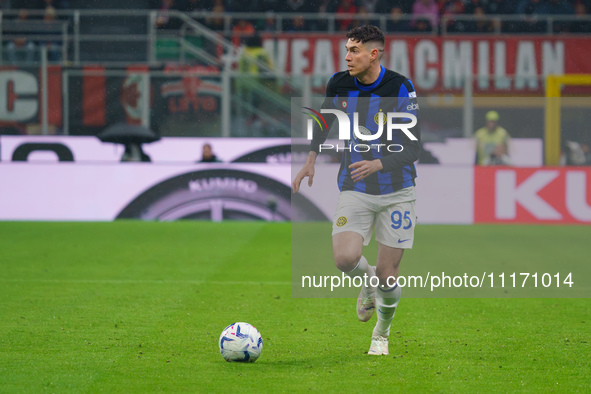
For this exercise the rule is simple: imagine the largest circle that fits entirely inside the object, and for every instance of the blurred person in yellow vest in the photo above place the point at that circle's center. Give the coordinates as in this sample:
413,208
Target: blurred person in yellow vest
256,81
492,142
254,58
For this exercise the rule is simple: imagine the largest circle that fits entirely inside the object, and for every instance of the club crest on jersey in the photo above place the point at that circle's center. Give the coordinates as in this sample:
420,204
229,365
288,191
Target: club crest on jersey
376,118
341,221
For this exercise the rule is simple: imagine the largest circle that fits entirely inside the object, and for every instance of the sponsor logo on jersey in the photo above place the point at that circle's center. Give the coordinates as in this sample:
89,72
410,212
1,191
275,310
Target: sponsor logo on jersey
412,107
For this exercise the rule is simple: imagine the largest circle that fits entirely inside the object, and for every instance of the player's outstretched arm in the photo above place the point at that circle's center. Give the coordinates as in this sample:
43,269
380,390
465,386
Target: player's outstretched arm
306,171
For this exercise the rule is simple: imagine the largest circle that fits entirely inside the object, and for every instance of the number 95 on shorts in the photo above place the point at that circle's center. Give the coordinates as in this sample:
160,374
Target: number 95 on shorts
392,215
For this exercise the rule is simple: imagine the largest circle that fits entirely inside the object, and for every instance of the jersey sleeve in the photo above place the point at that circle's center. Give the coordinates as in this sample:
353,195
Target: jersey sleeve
318,135
407,102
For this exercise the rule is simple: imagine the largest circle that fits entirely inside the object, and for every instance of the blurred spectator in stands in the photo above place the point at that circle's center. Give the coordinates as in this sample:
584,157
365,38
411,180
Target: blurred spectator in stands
480,24
21,49
386,6
364,18
256,63
163,20
271,5
53,45
56,4
22,4
39,4
255,5
195,5
264,5
241,31
492,142
297,24
469,6
453,7
575,153
270,23
396,23
424,9
530,9
503,7
298,6
345,7
207,155
255,59
583,25
216,22
369,5
322,7
558,8
533,7
422,25
235,5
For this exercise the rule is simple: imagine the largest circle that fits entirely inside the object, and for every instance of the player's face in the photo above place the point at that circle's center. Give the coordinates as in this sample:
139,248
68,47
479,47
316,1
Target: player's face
358,58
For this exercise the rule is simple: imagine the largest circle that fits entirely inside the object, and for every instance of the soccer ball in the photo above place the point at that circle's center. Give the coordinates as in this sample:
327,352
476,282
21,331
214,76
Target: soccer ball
241,342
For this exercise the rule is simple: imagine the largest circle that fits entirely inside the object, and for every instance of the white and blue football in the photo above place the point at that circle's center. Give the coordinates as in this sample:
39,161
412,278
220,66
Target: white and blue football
241,342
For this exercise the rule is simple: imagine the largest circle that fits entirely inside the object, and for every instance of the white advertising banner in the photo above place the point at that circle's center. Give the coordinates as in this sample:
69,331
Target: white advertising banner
81,178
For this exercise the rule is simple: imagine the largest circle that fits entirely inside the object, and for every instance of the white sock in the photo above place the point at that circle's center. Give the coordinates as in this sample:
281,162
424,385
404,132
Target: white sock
387,301
363,268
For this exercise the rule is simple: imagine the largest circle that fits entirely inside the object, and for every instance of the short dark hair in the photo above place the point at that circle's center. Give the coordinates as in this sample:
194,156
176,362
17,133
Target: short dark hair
366,33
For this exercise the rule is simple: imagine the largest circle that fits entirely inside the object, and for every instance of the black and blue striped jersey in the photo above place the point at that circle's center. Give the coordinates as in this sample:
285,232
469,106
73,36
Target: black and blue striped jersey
391,92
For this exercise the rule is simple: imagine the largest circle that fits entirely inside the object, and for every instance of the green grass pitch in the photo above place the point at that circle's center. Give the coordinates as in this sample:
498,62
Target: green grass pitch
139,306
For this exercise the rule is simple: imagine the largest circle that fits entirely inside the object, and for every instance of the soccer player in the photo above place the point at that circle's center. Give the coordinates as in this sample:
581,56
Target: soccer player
377,187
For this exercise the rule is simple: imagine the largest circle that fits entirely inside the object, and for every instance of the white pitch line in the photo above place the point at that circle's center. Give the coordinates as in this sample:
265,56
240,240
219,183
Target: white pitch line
140,281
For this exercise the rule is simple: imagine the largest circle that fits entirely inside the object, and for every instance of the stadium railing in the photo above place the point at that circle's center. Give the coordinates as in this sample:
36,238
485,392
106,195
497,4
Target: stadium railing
515,24
118,37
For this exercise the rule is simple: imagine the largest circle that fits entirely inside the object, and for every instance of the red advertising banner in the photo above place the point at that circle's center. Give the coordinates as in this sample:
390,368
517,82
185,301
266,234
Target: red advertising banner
97,98
440,63
20,95
508,65
532,195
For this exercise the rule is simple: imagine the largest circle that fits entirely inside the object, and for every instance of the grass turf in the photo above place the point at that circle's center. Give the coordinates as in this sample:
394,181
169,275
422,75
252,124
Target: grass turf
139,306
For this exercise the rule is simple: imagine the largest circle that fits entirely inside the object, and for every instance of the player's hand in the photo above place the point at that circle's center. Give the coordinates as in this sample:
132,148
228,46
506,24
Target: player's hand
364,168
306,171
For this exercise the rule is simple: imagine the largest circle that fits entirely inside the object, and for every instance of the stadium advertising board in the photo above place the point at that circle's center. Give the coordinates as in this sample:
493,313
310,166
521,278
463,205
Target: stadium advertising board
20,96
253,181
439,64
532,195
97,97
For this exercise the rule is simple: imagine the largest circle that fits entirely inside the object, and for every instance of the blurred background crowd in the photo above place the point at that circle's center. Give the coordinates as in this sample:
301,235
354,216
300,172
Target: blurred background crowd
403,15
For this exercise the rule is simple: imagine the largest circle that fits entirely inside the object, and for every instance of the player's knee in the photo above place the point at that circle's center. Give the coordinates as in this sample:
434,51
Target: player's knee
346,262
